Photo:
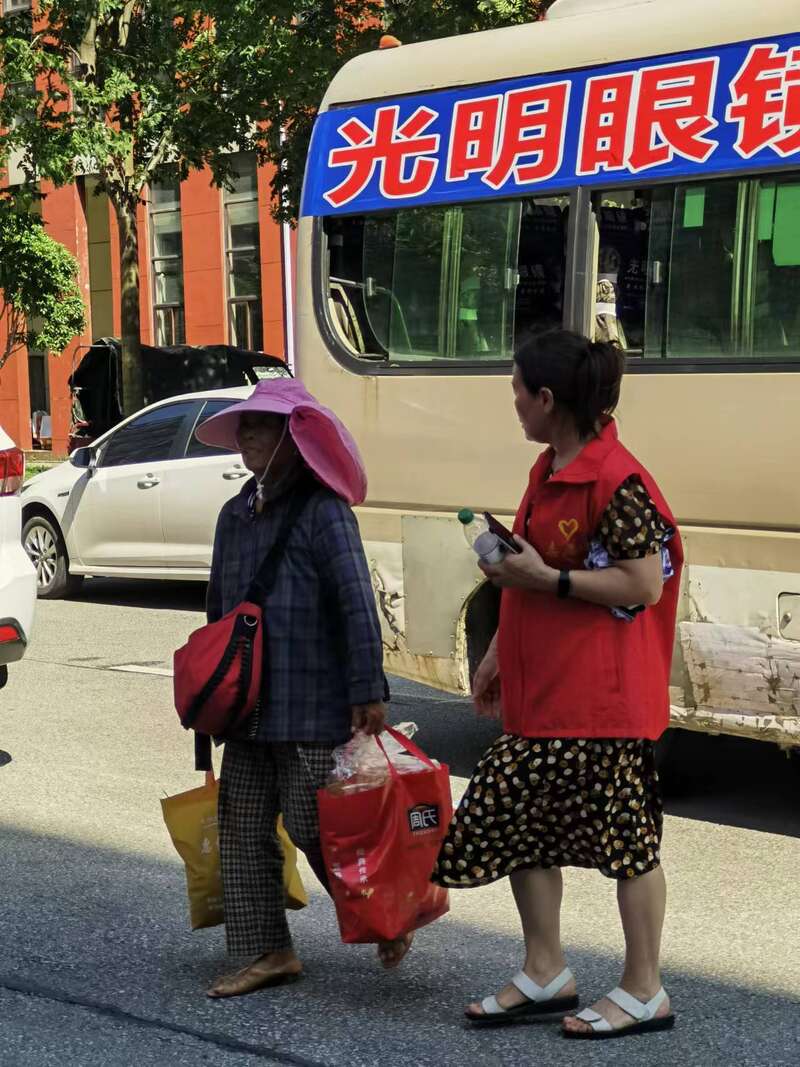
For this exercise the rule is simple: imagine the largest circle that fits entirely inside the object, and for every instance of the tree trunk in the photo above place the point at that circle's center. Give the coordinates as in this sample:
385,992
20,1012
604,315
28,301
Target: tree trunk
132,373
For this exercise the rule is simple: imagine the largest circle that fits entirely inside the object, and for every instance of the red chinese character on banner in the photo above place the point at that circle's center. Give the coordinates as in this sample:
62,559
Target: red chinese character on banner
389,147
674,112
472,136
533,125
604,126
765,101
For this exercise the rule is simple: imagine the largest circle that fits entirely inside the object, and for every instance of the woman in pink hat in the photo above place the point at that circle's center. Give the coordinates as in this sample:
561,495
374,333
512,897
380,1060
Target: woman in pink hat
323,659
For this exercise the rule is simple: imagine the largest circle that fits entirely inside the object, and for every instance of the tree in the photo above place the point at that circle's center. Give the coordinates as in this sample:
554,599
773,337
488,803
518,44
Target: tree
118,88
40,300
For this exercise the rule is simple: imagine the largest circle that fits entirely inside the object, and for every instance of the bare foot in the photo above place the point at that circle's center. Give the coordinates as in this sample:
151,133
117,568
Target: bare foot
392,953
273,968
510,997
618,1018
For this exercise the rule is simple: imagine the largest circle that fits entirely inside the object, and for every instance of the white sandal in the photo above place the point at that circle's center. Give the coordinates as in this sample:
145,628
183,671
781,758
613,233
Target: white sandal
644,1014
539,1000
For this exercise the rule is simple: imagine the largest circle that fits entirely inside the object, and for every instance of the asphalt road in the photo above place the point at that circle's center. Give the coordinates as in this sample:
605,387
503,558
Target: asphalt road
98,966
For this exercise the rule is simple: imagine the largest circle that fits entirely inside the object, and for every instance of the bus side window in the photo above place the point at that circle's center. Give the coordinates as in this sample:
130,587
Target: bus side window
702,270
542,267
776,278
461,283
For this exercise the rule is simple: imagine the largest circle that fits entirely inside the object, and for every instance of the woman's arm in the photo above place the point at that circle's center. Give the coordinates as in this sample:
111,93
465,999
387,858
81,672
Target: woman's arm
342,565
633,581
486,684
214,589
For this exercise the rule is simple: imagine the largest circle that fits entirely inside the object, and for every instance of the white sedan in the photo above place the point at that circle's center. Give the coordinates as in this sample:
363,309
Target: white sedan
140,502
17,576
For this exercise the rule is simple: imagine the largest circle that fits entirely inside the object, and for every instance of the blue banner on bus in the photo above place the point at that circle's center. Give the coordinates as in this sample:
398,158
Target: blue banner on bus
682,116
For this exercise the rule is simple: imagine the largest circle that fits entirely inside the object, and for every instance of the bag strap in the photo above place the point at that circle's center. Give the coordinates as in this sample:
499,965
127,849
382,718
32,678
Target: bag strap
262,584
202,753
408,745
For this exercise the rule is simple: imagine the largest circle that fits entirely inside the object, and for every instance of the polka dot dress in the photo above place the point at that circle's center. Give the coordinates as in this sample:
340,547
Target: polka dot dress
554,802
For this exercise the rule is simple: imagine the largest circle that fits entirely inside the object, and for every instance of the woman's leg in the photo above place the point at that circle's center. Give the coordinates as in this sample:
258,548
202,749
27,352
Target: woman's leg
537,893
252,870
642,902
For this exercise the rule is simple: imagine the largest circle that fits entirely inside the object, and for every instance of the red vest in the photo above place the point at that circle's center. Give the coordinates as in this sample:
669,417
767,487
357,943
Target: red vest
569,668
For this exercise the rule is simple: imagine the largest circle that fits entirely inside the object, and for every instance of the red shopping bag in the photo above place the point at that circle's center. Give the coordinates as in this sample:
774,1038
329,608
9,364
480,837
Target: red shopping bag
380,846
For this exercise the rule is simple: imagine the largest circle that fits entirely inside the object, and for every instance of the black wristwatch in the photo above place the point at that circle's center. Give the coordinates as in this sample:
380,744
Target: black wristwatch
564,585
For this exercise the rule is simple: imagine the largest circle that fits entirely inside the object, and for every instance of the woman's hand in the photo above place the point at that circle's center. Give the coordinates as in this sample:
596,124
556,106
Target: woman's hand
486,685
369,718
522,570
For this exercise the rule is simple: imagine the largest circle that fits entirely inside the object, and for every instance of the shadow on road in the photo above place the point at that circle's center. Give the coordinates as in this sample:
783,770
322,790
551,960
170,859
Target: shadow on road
724,780
106,930
136,593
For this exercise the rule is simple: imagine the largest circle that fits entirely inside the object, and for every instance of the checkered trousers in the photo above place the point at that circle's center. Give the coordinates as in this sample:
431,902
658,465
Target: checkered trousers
257,782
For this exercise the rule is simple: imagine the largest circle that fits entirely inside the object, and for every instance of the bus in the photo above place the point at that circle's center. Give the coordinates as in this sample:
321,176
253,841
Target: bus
630,170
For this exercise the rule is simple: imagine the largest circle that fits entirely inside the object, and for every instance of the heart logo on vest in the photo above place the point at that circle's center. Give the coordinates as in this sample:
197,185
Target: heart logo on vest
568,528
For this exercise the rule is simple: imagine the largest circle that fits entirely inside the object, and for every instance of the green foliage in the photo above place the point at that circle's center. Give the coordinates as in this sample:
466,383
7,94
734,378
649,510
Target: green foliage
155,81
40,300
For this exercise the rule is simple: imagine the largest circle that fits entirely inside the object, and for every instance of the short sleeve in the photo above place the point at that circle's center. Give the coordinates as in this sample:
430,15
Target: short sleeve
631,526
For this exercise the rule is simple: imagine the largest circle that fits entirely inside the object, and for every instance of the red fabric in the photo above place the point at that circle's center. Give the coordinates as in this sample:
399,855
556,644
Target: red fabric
380,847
237,637
569,668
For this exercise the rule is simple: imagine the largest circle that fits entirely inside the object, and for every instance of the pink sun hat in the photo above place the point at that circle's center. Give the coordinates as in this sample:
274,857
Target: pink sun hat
321,438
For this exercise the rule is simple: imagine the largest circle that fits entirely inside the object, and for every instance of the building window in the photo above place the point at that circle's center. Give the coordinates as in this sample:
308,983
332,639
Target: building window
242,252
11,7
167,260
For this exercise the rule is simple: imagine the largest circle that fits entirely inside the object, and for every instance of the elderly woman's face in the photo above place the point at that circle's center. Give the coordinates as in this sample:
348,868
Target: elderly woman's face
258,436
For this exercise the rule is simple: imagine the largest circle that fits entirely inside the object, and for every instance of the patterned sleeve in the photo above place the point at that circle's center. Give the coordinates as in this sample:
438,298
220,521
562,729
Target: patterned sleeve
631,526
340,560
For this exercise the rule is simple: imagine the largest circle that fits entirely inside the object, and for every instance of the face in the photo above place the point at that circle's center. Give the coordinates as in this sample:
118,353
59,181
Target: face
258,436
534,410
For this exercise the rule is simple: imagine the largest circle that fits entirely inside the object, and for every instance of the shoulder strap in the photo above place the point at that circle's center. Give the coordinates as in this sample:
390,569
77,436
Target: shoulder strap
262,584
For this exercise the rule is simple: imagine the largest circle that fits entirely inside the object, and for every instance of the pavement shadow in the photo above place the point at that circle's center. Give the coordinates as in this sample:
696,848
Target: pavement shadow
144,593
106,930
729,781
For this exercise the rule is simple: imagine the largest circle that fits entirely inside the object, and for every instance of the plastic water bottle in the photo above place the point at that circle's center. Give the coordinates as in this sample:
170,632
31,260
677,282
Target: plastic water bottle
482,541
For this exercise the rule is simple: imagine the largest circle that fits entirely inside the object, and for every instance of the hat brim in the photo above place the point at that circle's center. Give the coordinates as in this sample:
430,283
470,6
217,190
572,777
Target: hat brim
220,431
321,439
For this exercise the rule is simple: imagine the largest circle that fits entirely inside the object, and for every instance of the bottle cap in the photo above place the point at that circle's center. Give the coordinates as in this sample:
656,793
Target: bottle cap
465,516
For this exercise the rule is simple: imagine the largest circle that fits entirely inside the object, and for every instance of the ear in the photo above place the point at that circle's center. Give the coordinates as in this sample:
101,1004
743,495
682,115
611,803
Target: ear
547,399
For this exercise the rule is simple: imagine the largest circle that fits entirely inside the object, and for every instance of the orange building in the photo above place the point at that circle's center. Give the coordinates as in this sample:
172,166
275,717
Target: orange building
214,266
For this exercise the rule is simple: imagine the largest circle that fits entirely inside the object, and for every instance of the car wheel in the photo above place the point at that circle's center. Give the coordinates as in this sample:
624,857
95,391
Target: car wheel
45,547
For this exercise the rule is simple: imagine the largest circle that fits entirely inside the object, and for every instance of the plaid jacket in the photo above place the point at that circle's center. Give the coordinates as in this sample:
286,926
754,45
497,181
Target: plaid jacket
323,640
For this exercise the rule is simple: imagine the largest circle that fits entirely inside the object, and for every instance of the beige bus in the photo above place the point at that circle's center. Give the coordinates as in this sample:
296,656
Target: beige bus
630,170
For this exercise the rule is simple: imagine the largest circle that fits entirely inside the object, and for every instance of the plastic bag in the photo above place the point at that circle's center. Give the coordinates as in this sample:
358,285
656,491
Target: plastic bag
191,819
360,763
381,842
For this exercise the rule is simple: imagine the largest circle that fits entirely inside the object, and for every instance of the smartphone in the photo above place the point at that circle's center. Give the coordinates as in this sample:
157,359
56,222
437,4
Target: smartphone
501,531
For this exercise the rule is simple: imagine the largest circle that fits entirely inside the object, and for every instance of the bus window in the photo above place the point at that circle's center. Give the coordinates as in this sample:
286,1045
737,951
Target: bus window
775,323
700,271
455,284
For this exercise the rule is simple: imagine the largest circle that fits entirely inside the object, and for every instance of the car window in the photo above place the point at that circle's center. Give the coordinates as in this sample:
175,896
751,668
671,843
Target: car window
148,438
196,449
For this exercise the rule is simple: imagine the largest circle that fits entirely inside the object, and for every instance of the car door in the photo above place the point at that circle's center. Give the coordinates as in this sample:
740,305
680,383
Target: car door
117,522
194,489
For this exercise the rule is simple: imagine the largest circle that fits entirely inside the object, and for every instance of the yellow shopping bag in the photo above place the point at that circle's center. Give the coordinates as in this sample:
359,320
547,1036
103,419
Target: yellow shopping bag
191,819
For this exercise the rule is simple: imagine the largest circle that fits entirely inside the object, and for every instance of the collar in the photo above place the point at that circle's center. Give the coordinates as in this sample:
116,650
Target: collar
244,501
586,465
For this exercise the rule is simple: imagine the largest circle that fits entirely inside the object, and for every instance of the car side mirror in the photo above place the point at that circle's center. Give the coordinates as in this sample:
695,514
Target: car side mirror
83,458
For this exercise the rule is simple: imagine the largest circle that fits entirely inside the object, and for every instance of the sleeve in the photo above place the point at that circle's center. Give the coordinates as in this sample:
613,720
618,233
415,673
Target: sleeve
214,589
631,526
339,557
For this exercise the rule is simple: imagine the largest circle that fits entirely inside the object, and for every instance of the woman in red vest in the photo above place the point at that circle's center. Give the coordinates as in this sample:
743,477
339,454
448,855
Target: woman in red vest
579,673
